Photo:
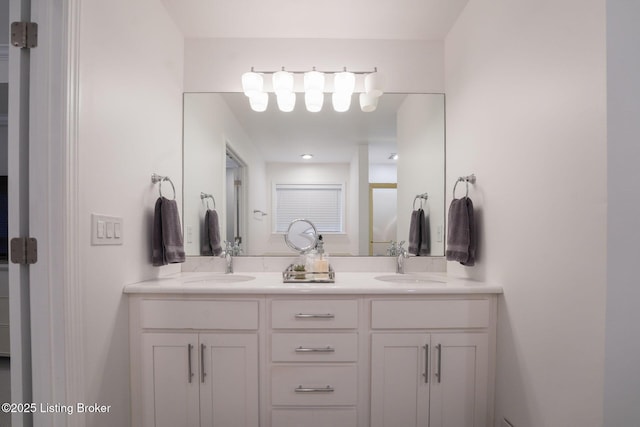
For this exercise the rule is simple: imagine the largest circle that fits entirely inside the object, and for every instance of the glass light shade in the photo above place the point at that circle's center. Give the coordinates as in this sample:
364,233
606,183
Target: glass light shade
344,83
314,99
259,101
341,103
314,81
252,83
282,82
368,102
373,84
286,101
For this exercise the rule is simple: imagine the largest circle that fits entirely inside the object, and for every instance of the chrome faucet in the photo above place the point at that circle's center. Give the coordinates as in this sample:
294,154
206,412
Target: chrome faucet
227,254
402,256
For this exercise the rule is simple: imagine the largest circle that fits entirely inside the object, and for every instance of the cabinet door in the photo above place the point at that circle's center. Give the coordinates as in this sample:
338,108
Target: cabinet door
399,380
459,381
229,381
170,389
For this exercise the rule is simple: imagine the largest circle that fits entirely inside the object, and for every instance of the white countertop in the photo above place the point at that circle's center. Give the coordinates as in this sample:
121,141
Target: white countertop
345,283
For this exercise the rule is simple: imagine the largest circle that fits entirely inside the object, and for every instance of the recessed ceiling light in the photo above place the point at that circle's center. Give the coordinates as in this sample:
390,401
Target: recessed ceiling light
307,156
393,156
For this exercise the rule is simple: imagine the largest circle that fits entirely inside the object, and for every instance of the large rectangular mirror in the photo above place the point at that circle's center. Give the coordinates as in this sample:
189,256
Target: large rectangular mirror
357,194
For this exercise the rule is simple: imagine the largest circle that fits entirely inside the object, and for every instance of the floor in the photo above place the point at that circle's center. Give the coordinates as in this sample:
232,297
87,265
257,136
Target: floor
5,389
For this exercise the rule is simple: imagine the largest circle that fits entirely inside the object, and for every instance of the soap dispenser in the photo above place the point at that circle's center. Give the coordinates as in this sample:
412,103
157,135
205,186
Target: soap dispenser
321,263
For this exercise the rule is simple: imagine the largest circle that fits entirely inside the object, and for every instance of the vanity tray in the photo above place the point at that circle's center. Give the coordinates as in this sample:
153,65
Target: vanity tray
292,276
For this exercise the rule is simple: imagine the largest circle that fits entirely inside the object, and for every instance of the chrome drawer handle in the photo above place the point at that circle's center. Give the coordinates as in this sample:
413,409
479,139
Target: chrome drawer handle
326,349
327,389
314,316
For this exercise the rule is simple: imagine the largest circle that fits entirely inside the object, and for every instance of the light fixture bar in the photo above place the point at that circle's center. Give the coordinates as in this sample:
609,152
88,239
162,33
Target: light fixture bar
284,86
375,69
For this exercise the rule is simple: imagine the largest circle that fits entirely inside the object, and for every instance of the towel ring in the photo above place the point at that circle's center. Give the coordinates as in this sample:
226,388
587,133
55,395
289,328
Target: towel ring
466,179
415,199
160,179
422,197
204,196
456,184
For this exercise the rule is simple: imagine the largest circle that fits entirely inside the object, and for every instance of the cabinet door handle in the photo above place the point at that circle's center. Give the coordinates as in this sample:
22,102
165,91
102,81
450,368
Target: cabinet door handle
327,389
439,372
190,374
327,349
426,363
202,372
314,316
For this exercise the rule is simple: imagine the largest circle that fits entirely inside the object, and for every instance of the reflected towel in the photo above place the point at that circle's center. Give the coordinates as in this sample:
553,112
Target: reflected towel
424,234
461,245
211,234
167,242
414,233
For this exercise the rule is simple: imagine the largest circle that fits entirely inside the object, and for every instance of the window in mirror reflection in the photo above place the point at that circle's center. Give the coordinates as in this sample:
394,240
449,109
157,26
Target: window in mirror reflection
322,204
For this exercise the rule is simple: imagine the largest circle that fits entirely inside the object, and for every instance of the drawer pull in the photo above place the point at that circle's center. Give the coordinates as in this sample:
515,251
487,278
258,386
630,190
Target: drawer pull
326,349
314,316
327,389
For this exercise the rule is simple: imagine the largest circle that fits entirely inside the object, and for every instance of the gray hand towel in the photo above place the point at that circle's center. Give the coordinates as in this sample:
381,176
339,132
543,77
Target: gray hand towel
212,233
205,249
461,244
167,243
157,249
424,234
414,233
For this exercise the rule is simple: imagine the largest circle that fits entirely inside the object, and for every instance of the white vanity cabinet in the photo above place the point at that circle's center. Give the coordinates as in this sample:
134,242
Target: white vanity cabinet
195,362
306,355
430,363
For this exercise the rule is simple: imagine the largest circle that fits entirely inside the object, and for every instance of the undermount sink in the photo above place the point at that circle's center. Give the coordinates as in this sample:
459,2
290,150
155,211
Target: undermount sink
409,278
220,278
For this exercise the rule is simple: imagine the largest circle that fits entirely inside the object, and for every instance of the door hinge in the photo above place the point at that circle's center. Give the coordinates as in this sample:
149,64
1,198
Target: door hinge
24,34
24,250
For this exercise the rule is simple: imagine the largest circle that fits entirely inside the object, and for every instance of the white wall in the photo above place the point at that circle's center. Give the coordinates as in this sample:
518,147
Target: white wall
311,173
383,173
526,112
420,144
622,378
209,126
215,65
130,126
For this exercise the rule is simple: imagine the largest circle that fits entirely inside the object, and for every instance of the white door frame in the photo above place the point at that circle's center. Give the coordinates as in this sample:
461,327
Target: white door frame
55,291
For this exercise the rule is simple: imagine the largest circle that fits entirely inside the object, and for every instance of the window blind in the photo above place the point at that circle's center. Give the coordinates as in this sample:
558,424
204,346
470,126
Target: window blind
322,204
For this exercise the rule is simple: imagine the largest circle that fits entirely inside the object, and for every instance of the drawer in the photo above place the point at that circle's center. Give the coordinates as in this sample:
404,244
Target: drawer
199,314
310,347
314,385
421,314
315,417
314,314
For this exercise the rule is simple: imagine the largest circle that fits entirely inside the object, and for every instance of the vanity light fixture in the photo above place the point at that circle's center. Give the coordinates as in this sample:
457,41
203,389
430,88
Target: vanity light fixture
252,83
306,156
314,90
344,85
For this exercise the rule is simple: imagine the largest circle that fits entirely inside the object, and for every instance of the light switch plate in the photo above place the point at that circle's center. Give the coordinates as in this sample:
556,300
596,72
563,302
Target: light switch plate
106,230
